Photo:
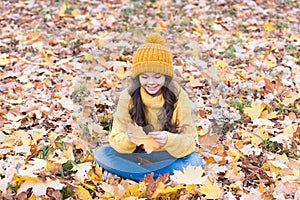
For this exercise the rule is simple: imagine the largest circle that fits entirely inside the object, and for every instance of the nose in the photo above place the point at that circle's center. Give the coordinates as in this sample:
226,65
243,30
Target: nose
151,81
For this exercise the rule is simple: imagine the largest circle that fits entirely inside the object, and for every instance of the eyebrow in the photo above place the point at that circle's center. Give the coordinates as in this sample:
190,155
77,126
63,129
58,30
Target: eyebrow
155,74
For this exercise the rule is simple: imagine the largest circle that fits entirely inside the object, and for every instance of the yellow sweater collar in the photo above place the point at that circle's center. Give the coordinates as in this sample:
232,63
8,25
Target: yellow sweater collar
152,101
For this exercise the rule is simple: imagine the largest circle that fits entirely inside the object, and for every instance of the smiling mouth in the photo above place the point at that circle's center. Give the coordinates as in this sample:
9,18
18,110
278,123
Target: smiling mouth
151,88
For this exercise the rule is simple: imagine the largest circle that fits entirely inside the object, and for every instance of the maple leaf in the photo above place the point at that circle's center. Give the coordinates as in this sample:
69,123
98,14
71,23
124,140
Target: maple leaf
140,137
189,175
160,188
269,26
255,110
211,190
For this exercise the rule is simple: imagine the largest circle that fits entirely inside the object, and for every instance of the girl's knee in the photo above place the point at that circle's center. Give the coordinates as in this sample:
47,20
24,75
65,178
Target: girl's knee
103,151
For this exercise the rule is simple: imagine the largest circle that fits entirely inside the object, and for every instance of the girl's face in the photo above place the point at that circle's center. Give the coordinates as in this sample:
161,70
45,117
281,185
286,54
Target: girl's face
152,82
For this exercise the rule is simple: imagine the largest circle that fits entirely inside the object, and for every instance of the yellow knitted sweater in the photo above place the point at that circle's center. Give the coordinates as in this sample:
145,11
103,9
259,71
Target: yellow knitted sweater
178,145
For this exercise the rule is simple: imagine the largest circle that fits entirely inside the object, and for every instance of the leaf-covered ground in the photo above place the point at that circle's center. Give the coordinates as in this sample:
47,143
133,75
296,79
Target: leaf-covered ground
63,64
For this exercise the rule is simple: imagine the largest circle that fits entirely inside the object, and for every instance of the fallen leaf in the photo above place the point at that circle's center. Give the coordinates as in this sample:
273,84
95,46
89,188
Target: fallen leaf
140,137
82,193
208,141
39,187
189,175
4,60
160,188
211,190
268,26
255,110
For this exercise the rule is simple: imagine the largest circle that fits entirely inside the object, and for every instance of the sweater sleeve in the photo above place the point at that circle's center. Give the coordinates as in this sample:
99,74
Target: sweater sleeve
118,138
183,143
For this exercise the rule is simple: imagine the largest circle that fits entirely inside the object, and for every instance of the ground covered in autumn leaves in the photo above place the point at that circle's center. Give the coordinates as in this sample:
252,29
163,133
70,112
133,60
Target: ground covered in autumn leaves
63,64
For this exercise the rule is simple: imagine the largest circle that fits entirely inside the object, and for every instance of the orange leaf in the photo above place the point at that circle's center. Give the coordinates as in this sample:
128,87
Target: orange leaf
208,141
140,137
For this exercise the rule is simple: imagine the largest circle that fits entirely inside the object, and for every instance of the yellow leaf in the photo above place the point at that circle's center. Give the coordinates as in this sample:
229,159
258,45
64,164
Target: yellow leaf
120,72
4,60
221,64
82,193
268,26
32,197
158,190
37,134
68,154
136,190
140,137
270,115
161,25
289,129
259,137
211,190
62,10
88,57
235,186
189,175
170,189
75,12
236,154
198,30
290,100
255,110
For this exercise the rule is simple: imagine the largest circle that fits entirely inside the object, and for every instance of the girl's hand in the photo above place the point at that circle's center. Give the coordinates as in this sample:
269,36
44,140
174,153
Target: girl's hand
129,134
160,137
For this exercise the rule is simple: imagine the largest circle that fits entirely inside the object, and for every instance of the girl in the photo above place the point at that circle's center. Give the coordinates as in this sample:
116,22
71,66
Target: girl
158,105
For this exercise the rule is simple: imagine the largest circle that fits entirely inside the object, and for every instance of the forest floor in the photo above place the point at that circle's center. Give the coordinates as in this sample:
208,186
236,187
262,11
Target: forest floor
63,64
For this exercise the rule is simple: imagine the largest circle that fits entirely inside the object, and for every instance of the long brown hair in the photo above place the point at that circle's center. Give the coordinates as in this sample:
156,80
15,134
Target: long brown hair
137,111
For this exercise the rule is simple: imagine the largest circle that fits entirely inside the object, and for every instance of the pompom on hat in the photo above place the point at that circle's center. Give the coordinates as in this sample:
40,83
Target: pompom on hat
153,56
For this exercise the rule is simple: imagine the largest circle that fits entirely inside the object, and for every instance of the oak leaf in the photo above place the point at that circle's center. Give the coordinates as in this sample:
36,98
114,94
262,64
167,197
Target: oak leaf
39,187
139,137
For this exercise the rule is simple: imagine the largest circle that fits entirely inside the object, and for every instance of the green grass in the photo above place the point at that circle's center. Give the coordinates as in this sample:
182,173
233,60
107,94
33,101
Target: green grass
45,152
240,106
276,147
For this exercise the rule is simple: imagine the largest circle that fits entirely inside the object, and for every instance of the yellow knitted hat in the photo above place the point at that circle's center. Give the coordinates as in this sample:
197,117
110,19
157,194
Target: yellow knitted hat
153,56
